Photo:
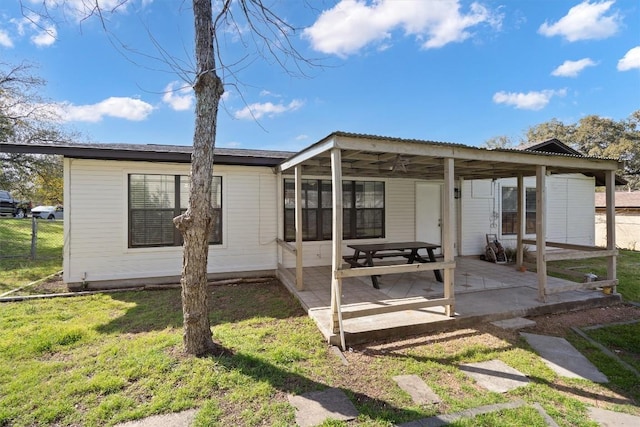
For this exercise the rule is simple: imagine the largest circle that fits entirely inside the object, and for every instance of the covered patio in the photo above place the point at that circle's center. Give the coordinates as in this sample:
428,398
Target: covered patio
484,292
354,306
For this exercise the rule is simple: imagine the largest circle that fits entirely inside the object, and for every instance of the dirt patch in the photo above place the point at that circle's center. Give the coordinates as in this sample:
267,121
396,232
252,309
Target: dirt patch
53,285
559,324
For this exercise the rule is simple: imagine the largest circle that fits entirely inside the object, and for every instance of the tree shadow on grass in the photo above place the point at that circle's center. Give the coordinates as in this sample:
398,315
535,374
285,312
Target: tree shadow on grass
292,383
160,309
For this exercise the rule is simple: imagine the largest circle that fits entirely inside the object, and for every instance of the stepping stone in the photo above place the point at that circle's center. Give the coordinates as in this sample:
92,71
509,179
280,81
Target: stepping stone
495,375
420,392
563,358
315,407
177,419
515,323
613,419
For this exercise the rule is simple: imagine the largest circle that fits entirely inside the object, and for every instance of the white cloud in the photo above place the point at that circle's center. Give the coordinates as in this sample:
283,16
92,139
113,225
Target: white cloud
118,107
5,39
352,24
584,22
45,37
41,33
630,60
177,97
81,9
572,68
259,110
529,100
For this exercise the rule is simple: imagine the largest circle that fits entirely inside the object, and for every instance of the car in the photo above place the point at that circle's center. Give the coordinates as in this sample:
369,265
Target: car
13,207
48,212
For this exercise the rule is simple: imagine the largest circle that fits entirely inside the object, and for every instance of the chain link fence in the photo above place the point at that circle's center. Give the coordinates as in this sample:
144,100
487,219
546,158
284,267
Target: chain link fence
31,238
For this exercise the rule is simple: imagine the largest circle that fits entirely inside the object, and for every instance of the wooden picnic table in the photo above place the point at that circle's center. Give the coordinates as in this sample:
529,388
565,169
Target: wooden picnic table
365,253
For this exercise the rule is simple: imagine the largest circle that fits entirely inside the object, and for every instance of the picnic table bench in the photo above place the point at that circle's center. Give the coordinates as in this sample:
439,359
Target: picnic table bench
365,253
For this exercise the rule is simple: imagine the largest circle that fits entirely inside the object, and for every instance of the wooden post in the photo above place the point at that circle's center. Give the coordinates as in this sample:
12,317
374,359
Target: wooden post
449,231
522,218
336,259
541,208
610,198
298,222
460,222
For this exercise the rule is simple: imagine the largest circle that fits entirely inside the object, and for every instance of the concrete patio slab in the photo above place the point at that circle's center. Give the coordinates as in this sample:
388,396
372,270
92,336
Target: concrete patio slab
419,391
515,323
613,419
563,358
177,419
485,292
315,407
495,375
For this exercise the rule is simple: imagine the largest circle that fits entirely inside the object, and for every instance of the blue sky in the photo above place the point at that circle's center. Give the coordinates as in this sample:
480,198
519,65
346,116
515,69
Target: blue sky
441,70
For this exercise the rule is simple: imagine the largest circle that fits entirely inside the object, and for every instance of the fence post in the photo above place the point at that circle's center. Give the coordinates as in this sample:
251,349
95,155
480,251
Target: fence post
34,237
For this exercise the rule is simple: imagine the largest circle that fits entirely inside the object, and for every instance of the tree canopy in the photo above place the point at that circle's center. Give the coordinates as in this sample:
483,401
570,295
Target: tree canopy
26,117
592,136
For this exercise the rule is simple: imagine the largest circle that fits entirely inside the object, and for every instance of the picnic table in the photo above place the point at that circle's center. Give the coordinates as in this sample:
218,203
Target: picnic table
365,253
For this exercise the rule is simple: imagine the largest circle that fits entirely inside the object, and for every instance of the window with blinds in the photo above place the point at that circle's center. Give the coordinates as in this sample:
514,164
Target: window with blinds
510,210
363,209
154,200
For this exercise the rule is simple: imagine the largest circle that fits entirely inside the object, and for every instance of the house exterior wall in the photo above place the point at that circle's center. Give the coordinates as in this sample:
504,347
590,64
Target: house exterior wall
96,228
569,214
400,219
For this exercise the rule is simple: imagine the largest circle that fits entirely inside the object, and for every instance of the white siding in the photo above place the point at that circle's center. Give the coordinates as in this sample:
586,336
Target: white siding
569,218
96,217
479,215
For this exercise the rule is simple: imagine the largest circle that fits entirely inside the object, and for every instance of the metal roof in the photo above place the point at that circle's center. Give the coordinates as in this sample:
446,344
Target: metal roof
362,155
379,156
148,152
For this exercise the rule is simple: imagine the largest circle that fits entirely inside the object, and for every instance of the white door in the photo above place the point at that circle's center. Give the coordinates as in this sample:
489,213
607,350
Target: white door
429,212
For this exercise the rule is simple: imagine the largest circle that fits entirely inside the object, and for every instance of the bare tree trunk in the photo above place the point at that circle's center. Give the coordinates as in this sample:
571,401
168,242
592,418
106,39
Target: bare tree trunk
195,224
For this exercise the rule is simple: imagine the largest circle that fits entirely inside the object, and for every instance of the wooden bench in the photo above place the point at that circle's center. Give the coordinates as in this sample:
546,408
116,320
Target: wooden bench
354,261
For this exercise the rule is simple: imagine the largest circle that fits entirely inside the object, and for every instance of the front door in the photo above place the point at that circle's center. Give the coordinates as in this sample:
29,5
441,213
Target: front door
429,212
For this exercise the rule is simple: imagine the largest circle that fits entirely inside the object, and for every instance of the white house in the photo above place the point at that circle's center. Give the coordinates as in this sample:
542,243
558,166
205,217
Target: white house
120,199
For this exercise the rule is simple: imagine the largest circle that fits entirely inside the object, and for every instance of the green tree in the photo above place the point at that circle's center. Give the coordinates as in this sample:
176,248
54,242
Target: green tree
598,137
501,141
26,118
554,128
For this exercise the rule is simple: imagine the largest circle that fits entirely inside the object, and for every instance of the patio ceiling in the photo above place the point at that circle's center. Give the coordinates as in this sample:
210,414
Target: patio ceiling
374,156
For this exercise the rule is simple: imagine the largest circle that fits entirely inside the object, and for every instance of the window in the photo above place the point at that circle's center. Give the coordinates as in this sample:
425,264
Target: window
154,200
510,210
363,209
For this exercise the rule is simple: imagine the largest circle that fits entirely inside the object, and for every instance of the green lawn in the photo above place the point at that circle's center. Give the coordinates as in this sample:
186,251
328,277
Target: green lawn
107,358
103,359
628,271
16,267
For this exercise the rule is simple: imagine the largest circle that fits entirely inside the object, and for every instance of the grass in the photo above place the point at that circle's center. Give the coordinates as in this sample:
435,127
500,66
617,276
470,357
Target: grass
107,358
623,340
16,269
103,359
628,271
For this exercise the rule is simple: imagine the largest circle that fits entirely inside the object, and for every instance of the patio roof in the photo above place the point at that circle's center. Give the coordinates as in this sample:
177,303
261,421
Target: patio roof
378,156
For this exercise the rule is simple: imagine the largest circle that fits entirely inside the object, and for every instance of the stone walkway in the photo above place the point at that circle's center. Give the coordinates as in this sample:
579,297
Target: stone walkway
316,407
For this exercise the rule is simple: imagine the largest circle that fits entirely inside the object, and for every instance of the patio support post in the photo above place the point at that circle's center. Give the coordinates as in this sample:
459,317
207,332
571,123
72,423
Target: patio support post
449,232
541,249
610,198
298,222
522,220
459,222
336,259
